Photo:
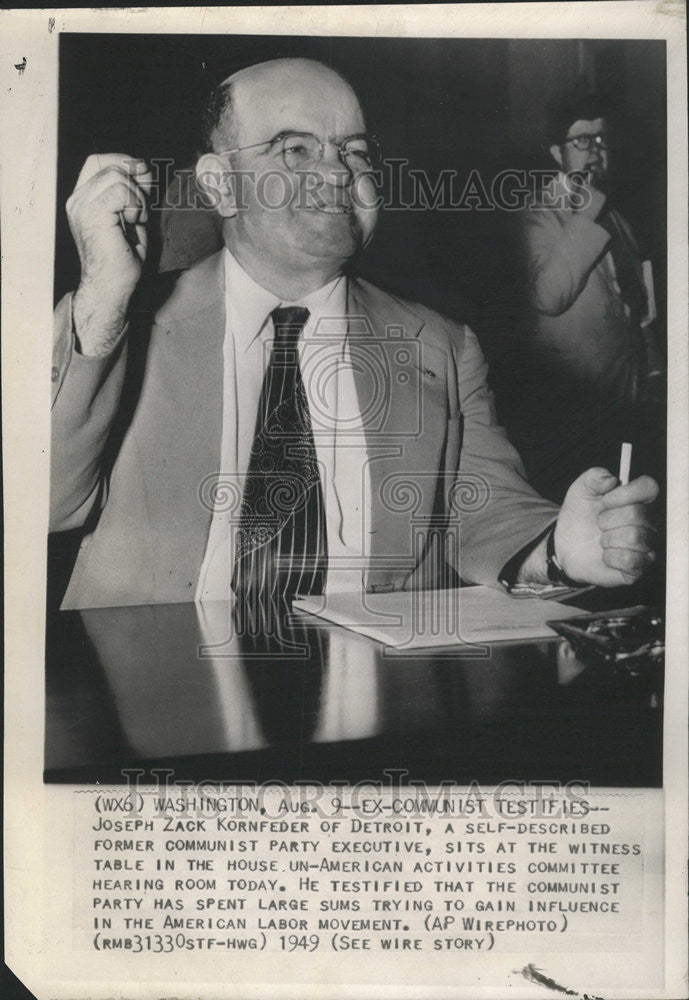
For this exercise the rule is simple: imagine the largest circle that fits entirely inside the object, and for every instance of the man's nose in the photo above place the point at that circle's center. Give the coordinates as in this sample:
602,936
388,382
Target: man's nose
334,166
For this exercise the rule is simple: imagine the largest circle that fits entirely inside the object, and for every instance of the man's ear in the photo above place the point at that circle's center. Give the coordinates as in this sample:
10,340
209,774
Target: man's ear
215,181
556,154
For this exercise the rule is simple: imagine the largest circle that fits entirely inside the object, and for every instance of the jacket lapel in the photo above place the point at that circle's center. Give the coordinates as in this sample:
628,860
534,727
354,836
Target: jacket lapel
189,331
401,383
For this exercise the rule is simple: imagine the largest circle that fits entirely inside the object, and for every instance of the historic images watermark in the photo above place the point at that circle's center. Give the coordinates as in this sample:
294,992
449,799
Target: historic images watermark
392,800
395,186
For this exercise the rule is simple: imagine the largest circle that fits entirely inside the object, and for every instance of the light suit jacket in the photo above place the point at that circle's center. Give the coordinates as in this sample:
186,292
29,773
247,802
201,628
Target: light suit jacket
137,438
574,363
578,321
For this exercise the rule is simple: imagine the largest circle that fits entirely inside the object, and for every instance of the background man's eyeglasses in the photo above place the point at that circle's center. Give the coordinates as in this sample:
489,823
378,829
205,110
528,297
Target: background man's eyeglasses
304,151
586,141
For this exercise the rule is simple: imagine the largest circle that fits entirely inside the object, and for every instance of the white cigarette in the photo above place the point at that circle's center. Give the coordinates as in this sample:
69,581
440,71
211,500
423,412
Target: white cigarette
625,463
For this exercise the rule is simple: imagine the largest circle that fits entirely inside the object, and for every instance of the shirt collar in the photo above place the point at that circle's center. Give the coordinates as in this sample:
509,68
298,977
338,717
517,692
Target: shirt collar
249,305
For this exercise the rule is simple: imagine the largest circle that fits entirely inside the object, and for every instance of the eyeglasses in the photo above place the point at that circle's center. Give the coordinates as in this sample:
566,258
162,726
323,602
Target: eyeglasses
304,151
586,141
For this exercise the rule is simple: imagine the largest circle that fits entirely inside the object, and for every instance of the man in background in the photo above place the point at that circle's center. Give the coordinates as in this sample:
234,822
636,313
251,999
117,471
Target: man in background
582,365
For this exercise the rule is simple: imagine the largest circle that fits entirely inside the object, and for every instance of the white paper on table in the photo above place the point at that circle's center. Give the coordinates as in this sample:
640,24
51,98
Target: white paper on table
418,618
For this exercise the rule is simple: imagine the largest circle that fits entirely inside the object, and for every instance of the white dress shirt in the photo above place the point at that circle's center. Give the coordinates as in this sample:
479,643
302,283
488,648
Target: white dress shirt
338,432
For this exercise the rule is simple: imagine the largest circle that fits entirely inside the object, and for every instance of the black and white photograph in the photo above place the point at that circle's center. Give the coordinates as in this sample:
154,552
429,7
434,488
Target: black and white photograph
488,265
360,508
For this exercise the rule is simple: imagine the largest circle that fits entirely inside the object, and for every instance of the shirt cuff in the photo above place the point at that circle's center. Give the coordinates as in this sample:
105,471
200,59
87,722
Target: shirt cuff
510,571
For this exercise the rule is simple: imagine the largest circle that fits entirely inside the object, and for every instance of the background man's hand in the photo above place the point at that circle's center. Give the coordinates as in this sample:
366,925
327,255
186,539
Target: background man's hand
587,199
111,190
603,535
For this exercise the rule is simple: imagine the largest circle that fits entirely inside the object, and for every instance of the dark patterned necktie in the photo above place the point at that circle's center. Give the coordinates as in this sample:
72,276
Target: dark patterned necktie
280,545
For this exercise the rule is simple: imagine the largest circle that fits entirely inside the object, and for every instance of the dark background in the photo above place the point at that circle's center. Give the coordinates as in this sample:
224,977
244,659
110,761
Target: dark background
443,104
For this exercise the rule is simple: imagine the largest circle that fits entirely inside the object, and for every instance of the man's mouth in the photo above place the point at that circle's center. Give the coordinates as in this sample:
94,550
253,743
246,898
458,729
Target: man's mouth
330,208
